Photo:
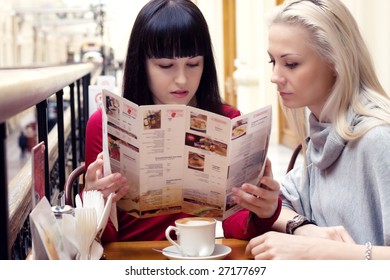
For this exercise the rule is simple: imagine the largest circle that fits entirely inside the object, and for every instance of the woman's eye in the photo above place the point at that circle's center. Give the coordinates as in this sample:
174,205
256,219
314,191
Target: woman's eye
192,65
291,65
165,66
272,61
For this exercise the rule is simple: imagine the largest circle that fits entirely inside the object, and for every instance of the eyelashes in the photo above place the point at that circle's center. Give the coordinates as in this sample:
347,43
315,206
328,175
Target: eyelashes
165,66
291,65
168,66
288,65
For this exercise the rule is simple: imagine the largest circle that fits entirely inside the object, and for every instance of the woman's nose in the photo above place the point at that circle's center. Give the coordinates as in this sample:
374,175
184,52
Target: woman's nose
277,78
181,76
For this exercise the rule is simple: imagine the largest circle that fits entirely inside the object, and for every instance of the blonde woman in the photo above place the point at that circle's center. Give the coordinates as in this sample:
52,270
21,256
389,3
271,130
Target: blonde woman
338,205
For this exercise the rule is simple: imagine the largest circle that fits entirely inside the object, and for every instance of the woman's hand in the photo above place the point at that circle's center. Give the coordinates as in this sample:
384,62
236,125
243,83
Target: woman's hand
278,246
113,183
281,246
336,233
263,201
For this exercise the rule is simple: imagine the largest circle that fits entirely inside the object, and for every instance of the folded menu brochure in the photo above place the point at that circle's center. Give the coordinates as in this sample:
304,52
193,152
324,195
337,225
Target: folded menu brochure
178,158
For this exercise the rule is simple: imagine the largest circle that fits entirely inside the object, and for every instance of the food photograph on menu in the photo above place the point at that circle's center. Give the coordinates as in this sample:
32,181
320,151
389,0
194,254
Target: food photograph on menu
198,122
207,144
196,161
239,128
152,119
114,147
112,107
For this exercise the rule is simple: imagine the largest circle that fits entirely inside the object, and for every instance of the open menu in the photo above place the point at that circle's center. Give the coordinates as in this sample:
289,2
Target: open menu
178,158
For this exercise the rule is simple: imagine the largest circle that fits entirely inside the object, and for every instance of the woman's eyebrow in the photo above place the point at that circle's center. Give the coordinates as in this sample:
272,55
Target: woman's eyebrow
288,54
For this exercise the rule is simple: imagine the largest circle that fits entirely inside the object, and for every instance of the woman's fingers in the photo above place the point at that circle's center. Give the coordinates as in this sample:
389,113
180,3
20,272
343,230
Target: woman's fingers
113,183
268,169
121,193
346,237
263,202
94,171
339,233
268,187
100,156
109,183
252,243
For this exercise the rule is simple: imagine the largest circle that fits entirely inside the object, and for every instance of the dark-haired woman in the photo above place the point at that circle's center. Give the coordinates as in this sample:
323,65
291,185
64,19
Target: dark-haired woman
169,61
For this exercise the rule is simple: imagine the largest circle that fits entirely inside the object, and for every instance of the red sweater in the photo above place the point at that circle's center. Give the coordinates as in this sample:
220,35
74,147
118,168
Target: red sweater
135,229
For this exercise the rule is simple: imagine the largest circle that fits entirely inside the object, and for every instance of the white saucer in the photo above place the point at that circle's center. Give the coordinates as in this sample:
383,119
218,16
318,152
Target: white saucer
220,252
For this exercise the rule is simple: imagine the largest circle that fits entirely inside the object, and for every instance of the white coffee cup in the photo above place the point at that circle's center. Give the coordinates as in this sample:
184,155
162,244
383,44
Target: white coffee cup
196,236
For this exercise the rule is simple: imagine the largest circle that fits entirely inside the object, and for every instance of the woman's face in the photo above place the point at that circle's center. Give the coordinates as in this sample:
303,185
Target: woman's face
174,80
302,76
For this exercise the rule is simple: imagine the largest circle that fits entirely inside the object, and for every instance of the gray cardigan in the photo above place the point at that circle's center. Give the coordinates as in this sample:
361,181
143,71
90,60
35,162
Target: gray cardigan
347,183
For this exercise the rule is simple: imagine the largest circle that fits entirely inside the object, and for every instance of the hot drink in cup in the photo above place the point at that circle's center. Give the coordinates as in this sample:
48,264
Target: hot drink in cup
196,236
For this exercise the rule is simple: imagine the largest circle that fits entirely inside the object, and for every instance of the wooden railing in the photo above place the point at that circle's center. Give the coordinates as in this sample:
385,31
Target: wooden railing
21,89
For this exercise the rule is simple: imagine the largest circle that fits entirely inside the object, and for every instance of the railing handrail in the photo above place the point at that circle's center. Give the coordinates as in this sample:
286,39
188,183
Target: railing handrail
21,89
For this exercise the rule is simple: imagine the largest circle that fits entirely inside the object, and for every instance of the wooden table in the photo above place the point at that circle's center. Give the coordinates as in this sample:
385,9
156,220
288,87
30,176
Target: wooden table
142,250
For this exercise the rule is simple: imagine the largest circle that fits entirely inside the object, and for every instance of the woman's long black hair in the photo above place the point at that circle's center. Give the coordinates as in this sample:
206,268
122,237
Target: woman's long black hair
168,29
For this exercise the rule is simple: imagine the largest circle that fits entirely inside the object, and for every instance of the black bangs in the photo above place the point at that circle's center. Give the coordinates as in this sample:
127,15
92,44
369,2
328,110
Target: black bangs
175,33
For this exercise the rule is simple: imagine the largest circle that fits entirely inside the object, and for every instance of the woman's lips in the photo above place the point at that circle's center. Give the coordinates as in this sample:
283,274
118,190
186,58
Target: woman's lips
283,94
180,93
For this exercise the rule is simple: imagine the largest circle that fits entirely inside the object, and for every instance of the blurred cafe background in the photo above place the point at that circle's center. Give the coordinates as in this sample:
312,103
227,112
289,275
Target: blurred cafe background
52,50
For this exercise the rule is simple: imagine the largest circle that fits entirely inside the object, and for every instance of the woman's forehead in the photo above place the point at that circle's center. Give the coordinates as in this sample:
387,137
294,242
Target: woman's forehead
288,39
